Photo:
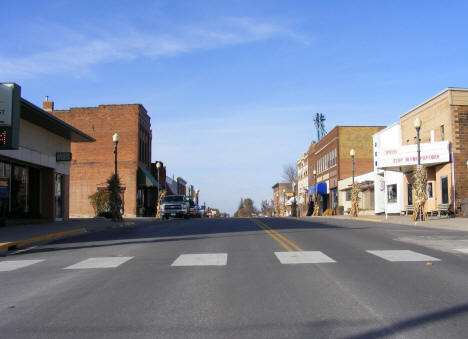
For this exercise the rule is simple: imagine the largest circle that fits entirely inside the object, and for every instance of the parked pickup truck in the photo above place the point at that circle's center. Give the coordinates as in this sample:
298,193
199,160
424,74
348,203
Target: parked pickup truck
175,206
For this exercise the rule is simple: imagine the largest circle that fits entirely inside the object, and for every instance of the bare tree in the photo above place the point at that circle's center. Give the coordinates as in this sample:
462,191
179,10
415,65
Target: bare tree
290,173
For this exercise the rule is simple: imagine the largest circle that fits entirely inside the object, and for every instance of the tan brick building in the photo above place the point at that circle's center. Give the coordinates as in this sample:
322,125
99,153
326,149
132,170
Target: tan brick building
280,192
331,160
444,148
93,164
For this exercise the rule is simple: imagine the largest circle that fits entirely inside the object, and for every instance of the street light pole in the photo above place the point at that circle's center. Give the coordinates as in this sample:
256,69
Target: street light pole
284,202
417,125
158,166
115,139
351,153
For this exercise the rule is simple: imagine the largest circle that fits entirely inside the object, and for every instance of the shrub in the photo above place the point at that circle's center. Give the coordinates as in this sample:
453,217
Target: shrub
100,203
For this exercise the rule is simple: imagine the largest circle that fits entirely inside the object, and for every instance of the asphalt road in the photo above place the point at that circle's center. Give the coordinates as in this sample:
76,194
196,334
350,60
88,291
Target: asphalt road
241,278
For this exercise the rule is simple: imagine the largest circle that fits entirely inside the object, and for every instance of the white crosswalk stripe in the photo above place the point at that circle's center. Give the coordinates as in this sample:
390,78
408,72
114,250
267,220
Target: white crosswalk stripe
463,250
100,262
402,255
303,257
11,265
205,259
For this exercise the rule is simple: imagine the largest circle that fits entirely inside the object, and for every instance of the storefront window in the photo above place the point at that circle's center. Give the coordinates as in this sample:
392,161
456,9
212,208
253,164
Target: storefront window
392,193
348,195
410,194
20,190
430,191
4,188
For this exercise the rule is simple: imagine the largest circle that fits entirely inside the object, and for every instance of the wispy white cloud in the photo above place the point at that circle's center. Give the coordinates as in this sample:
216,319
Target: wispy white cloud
80,52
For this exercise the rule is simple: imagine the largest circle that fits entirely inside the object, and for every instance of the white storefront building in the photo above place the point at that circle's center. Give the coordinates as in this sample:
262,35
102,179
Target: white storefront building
388,184
394,164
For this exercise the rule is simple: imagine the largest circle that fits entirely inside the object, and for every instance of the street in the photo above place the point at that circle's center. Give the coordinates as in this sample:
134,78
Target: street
241,278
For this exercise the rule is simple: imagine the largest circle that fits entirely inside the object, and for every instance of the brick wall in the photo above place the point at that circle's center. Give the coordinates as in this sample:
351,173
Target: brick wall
460,150
360,139
93,163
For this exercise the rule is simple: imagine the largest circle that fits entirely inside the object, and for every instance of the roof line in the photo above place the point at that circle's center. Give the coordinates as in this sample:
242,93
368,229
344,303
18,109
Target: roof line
57,120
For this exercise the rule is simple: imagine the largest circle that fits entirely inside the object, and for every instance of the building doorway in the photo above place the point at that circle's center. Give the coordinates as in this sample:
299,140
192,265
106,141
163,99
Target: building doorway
444,190
58,196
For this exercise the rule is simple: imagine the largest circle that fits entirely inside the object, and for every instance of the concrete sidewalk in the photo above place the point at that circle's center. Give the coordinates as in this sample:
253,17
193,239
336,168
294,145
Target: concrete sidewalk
14,237
458,224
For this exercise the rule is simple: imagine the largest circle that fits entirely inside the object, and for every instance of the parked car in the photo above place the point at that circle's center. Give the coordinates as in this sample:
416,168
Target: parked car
194,209
175,206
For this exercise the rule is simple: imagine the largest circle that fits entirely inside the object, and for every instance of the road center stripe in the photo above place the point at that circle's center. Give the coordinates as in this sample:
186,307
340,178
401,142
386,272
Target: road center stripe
280,239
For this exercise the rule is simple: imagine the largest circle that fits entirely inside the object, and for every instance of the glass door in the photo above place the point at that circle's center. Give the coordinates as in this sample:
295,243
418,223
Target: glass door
445,192
59,196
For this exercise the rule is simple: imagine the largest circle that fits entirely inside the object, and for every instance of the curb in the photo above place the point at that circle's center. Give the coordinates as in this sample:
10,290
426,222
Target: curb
13,245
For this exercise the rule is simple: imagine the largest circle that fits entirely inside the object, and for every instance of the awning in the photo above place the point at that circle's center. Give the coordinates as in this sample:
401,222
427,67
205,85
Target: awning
144,178
321,188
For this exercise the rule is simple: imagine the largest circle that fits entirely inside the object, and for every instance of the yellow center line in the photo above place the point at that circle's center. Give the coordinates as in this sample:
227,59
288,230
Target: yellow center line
282,237
276,236
267,231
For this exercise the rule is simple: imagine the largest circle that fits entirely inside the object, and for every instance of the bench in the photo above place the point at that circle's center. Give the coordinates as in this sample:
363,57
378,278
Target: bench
443,208
409,208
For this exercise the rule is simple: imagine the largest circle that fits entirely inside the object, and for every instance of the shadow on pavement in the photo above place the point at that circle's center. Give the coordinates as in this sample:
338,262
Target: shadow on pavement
180,230
397,328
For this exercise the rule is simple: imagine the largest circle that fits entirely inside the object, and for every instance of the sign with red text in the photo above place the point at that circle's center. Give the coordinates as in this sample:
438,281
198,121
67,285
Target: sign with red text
431,153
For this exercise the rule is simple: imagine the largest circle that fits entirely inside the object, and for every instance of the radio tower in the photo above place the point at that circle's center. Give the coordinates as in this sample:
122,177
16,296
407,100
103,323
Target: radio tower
320,125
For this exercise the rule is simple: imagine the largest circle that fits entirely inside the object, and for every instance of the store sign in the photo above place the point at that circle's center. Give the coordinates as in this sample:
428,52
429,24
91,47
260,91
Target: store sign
10,105
431,153
6,104
63,156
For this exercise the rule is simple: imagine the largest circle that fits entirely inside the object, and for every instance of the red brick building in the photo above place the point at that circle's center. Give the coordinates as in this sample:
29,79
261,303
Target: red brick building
331,160
93,164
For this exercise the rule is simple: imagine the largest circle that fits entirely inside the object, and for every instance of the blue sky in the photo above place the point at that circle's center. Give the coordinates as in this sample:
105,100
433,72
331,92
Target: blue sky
233,85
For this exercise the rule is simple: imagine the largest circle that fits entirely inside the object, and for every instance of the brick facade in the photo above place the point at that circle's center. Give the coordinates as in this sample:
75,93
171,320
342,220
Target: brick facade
93,163
332,162
279,199
444,117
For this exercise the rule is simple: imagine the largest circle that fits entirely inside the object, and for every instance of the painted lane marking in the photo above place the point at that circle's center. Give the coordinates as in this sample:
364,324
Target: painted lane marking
12,265
100,262
303,257
272,235
202,259
402,255
463,250
297,248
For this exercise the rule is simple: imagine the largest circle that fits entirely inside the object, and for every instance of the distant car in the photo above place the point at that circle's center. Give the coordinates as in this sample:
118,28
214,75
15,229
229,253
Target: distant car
194,210
175,206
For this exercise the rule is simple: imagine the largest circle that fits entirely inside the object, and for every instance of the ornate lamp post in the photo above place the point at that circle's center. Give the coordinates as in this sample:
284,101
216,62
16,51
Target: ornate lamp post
354,211
352,153
316,199
284,202
115,139
419,181
158,166
417,125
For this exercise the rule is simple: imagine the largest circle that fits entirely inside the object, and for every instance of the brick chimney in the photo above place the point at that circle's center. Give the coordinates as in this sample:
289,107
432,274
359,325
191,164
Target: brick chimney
47,105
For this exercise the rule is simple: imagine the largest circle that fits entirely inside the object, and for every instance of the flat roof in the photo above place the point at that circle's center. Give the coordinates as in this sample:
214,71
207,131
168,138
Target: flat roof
41,118
433,97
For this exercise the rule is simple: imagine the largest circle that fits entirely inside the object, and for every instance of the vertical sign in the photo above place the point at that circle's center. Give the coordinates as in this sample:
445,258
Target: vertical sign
10,105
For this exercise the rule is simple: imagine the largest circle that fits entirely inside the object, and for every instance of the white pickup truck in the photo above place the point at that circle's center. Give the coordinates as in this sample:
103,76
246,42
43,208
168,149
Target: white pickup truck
175,206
